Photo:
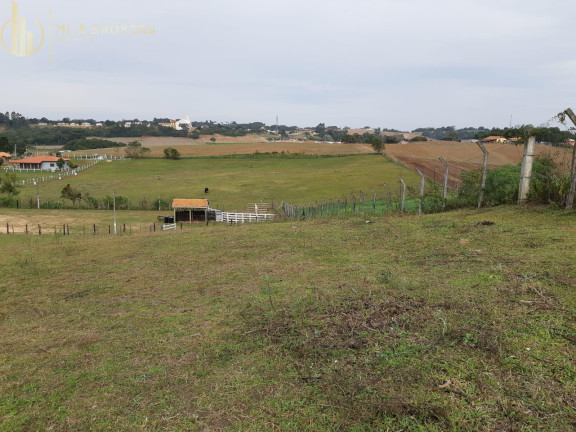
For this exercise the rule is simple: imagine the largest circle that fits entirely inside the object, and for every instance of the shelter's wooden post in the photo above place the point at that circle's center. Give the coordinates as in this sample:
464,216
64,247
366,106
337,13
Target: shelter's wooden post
526,172
445,193
484,172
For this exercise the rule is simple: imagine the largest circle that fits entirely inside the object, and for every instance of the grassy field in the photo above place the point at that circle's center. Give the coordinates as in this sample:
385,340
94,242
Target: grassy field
233,182
461,321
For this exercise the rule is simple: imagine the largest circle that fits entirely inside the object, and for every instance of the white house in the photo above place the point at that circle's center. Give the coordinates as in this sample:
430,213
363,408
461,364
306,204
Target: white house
47,163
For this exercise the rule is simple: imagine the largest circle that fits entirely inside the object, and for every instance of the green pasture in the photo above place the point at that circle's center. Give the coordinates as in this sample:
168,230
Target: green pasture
461,321
233,181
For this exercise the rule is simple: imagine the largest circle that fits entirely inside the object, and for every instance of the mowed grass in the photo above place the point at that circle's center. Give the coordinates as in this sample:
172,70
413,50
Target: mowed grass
461,321
233,182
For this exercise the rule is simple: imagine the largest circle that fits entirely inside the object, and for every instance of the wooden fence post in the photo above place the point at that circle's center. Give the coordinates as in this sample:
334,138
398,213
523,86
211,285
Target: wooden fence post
422,184
445,193
403,195
572,190
526,172
484,172
39,229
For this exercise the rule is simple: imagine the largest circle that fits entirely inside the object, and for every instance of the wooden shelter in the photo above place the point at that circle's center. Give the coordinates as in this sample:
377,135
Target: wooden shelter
192,210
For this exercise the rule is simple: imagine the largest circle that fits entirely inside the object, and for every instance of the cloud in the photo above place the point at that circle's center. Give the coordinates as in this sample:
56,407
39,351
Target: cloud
388,63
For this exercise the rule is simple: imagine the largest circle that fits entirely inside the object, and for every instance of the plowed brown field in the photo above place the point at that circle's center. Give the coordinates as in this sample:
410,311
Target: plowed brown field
462,156
234,145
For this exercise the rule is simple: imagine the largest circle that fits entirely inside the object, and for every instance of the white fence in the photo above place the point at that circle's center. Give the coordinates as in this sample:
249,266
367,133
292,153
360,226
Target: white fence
171,226
246,217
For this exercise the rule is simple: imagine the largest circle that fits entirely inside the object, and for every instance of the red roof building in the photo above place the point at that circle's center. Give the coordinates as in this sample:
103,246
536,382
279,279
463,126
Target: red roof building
48,163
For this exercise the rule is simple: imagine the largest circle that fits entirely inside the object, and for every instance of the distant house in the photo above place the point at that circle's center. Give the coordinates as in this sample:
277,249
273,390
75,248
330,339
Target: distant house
494,139
47,163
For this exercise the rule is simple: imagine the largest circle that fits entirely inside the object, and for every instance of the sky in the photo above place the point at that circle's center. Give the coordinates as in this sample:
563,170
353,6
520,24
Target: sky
399,64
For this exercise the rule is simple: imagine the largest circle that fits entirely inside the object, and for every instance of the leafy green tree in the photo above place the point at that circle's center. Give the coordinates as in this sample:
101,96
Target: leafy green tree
60,163
419,138
9,184
68,192
5,145
376,142
134,150
320,129
171,153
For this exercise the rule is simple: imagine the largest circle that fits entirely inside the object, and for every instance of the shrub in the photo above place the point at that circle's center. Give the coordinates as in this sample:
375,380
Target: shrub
171,153
419,138
548,185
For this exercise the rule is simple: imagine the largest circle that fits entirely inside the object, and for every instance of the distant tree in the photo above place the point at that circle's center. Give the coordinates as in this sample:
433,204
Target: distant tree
72,165
134,150
194,134
213,139
4,145
376,142
393,139
171,153
451,136
60,163
68,192
320,129
419,138
9,184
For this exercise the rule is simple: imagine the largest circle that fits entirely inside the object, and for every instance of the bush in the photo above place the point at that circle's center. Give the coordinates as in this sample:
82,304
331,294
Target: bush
501,186
171,153
549,185
419,138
